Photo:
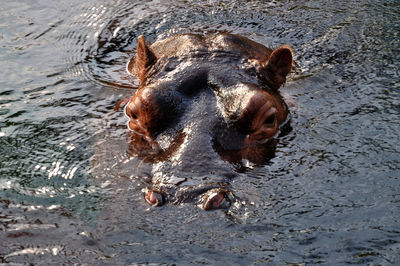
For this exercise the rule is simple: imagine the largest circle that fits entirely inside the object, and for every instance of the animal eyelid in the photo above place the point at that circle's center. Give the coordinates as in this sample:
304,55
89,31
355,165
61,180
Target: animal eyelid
270,119
263,114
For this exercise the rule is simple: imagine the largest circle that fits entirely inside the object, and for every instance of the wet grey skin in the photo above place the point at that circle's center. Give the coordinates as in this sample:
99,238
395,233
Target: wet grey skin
204,104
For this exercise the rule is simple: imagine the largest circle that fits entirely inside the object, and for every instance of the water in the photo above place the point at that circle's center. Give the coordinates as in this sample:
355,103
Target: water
69,192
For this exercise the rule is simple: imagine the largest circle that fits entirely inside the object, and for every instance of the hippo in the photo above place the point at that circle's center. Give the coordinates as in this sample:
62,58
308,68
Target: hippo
204,104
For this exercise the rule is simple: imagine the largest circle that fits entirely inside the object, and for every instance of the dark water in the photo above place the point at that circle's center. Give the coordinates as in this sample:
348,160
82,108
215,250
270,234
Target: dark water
69,192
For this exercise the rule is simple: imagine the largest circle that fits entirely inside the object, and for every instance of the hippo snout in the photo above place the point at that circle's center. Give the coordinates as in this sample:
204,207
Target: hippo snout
207,196
216,198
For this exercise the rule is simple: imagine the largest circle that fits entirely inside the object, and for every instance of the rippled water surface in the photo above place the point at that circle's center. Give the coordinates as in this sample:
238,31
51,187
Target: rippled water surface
69,192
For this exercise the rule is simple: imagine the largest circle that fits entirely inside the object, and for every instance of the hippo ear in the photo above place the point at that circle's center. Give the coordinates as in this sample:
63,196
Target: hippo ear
145,58
278,66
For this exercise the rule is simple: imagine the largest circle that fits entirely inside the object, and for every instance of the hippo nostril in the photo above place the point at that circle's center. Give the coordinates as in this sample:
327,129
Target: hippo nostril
215,199
154,198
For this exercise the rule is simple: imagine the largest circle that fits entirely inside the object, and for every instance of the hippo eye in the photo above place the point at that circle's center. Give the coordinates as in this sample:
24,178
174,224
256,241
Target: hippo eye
129,113
270,120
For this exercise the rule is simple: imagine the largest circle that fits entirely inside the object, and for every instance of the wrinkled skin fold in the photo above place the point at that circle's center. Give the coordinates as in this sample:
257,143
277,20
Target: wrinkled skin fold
205,103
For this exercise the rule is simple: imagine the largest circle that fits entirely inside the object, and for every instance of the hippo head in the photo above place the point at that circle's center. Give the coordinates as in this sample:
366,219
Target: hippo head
205,104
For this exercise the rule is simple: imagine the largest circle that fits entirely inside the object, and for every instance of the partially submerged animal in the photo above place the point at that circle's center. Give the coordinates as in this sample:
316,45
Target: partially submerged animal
204,104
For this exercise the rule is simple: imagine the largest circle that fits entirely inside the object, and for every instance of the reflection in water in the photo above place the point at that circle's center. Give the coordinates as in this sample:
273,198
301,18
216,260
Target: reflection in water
70,192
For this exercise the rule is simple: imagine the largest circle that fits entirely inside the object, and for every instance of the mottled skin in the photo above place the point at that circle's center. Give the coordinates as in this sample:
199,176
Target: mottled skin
204,104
